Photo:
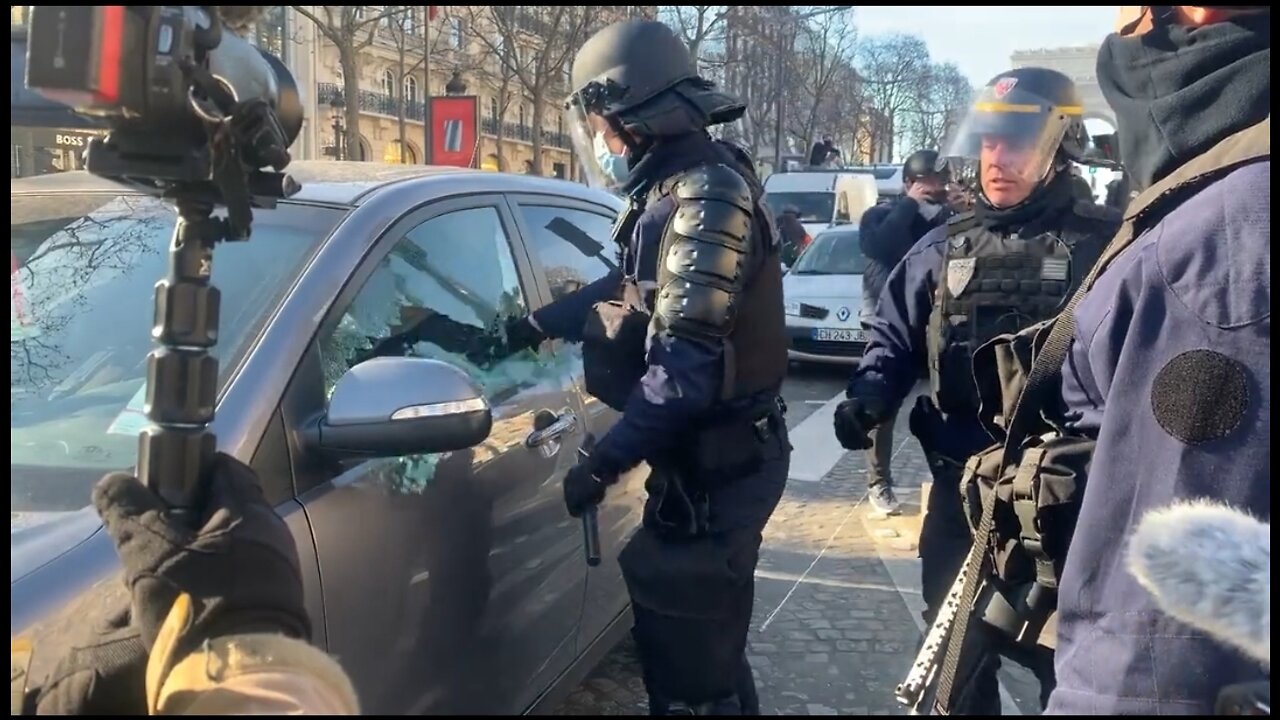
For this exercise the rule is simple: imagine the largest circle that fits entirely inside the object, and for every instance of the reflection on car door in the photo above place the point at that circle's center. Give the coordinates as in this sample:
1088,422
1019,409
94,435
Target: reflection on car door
452,583
572,244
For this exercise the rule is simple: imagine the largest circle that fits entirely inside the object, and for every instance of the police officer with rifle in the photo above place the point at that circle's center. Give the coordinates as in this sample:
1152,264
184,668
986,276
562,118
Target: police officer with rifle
1012,261
687,339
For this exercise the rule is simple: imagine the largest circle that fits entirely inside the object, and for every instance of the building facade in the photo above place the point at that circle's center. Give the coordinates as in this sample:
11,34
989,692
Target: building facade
405,52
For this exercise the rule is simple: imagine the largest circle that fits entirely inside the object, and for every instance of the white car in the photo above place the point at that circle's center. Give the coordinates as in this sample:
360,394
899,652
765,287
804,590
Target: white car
823,293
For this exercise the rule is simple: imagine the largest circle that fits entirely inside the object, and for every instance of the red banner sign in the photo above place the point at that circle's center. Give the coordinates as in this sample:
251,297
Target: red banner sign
455,130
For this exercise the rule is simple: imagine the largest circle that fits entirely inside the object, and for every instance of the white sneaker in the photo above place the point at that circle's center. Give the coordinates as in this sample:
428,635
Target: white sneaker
883,500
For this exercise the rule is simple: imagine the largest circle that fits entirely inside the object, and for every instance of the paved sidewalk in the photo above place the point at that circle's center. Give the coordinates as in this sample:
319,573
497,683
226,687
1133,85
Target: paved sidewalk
832,633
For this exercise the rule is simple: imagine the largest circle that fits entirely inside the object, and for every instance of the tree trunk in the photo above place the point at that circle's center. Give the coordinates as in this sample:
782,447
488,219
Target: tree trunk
539,104
400,106
504,101
351,96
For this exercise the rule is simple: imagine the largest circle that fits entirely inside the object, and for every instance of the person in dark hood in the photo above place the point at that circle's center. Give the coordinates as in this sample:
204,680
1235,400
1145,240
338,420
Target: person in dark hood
1008,264
1080,187
688,339
823,150
1170,368
1118,192
794,237
886,232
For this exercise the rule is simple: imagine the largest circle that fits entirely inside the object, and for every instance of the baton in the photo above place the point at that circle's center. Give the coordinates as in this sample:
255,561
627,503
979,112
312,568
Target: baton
590,519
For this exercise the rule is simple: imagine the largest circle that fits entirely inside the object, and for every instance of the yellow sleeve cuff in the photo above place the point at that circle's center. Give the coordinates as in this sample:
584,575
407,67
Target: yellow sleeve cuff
255,674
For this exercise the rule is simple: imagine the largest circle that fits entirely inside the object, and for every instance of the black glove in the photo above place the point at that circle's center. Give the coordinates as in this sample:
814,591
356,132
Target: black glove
584,487
239,566
522,335
855,419
105,674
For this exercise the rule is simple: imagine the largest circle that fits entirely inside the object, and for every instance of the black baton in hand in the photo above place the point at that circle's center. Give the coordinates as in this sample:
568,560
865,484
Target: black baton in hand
590,519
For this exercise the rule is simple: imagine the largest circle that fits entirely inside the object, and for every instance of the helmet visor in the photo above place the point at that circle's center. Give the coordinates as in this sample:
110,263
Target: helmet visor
591,135
1008,133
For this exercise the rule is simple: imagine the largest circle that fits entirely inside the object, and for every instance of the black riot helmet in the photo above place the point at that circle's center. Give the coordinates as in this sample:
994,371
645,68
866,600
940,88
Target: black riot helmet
922,164
1036,110
638,76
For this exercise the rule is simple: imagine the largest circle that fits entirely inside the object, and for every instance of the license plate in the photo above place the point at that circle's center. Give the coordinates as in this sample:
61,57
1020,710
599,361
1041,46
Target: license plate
848,335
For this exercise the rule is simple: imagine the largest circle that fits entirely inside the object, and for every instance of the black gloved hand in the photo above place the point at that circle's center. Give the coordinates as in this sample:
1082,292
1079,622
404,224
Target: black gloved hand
854,420
522,335
584,487
105,674
240,565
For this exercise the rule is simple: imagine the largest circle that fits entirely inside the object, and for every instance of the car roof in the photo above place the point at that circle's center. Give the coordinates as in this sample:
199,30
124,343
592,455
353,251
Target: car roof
353,183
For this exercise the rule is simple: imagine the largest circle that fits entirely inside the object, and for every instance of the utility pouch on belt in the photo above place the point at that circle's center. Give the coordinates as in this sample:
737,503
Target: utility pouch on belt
739,446
613,352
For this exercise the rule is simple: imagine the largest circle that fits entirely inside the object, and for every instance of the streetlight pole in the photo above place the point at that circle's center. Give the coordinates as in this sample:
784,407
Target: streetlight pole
779,72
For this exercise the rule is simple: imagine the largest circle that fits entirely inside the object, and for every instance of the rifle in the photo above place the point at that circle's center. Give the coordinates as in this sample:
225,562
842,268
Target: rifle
918,691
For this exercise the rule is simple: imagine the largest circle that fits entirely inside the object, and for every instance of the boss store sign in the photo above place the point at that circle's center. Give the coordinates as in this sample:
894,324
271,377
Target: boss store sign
66,139
38,150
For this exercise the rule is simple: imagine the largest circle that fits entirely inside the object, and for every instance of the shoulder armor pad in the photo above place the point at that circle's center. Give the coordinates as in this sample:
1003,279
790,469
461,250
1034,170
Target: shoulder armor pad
957,224
713,182
705,248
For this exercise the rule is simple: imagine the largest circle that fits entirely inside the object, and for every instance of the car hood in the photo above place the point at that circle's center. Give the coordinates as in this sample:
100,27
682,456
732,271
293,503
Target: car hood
843,287
36,539
814,228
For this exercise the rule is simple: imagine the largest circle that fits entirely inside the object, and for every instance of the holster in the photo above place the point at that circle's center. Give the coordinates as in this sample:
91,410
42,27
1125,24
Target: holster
613,347
719,453
1025,614
738,446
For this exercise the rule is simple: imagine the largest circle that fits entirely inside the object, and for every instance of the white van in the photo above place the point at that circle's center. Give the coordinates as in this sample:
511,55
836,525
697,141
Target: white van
823,197
888,178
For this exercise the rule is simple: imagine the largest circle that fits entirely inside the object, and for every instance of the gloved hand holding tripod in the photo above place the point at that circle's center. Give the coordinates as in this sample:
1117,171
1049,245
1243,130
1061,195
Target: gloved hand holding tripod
222,585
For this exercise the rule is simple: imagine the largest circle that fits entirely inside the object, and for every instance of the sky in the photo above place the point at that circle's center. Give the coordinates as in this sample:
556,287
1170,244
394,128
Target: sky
980,39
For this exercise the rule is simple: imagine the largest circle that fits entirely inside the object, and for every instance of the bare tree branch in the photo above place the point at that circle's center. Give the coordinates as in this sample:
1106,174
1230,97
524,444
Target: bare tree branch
350,34
893,70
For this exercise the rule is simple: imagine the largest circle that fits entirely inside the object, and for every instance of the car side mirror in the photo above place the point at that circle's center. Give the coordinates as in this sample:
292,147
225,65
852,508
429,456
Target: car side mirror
393,406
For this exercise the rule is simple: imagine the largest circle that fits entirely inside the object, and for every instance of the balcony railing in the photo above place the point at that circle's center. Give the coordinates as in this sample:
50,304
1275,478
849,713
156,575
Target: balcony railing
384,104
523,133
372,102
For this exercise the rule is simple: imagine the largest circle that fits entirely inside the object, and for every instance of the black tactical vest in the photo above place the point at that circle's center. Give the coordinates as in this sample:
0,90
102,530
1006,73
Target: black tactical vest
995,283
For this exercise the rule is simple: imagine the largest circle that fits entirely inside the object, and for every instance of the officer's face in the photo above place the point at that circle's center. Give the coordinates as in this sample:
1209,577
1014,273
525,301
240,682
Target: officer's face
933,187
611,139
1007,172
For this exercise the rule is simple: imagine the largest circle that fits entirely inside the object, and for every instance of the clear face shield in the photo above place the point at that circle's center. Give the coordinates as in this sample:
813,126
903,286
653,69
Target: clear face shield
600,151
1009,141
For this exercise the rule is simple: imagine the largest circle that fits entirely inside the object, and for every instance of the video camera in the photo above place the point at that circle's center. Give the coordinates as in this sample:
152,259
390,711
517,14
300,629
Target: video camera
195,114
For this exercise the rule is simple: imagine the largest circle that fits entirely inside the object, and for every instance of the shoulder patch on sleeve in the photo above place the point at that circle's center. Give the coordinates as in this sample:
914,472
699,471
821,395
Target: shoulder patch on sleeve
1200,395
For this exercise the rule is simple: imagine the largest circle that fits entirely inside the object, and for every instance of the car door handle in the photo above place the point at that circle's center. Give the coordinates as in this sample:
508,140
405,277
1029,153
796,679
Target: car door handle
564,423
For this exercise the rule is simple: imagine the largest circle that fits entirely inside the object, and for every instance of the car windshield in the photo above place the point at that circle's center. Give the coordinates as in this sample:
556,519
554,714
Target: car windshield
814,207
83,272
832,253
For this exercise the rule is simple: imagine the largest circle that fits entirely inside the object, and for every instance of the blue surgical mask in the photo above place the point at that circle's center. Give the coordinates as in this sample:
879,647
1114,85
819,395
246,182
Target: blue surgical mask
613,166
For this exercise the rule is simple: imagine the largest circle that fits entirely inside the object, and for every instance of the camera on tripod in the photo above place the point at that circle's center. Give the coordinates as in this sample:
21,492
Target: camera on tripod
165,77
196,113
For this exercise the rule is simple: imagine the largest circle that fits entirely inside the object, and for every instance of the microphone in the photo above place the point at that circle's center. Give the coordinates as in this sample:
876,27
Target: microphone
1209,566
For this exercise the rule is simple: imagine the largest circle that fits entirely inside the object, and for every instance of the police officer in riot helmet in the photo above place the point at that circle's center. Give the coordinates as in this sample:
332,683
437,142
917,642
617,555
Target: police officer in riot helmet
1012,261
688,340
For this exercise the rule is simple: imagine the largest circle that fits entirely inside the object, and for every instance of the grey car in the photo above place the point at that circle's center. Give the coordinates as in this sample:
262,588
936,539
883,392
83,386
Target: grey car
444,580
